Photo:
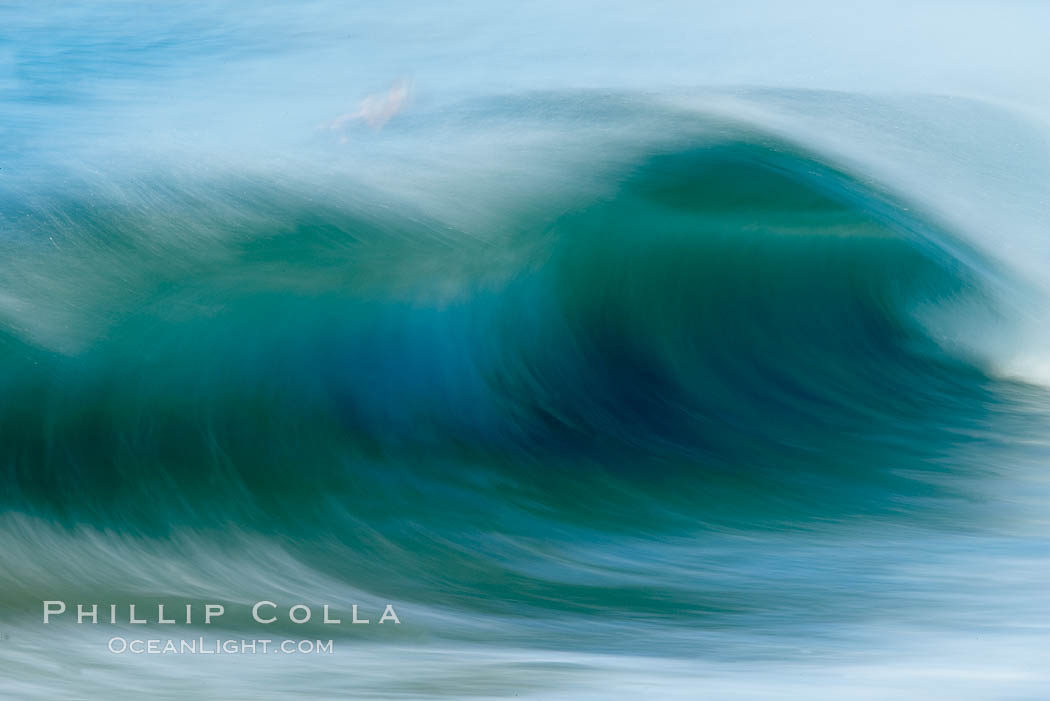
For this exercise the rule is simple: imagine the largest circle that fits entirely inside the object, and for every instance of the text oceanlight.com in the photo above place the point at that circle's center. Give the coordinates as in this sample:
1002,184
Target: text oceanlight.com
201,646
262,613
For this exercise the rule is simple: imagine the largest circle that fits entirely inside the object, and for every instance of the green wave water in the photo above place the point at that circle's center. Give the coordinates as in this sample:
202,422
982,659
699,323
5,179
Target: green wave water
737,339
668,395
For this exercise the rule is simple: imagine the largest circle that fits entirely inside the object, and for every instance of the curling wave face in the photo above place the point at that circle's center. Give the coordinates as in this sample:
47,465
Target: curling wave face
651,409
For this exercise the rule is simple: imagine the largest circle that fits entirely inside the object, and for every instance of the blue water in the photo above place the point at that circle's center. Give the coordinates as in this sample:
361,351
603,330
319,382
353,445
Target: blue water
630,353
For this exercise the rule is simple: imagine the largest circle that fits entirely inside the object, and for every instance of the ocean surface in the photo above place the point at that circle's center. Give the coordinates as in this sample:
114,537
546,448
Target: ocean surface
628,351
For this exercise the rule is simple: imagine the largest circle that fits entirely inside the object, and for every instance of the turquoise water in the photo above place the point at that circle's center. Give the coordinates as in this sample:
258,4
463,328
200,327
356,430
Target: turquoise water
623,364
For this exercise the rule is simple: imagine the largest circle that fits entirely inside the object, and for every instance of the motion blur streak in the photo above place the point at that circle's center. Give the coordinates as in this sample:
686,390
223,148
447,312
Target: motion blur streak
680,353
